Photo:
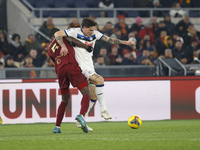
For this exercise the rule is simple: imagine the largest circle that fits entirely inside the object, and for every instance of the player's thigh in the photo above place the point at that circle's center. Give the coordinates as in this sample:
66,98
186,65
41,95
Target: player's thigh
88,71
85,91
93,93
63,81
76,77
96,79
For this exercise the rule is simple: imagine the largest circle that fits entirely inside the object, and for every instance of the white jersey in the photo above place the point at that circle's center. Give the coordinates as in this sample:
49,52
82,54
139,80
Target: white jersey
83,57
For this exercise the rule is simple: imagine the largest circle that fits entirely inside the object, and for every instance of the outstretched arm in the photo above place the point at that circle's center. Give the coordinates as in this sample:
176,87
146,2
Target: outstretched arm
117,41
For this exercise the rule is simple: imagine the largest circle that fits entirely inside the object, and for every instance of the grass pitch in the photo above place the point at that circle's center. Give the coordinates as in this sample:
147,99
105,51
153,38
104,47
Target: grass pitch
153,135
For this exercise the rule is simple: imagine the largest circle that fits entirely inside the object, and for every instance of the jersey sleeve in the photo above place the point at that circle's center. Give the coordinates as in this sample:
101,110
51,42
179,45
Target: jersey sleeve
71,32
99,35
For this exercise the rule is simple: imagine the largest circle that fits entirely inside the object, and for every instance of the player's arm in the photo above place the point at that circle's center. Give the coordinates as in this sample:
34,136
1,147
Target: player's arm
117,41
78,43
59,38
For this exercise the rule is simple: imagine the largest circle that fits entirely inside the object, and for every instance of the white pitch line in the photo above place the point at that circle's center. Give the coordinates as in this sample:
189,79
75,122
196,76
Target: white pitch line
106,139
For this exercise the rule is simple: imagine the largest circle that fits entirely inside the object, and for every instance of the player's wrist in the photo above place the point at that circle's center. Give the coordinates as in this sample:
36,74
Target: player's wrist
90,49
63,45
123,42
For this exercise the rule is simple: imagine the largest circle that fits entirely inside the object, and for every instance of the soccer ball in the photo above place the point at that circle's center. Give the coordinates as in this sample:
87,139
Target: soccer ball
1,120
134,122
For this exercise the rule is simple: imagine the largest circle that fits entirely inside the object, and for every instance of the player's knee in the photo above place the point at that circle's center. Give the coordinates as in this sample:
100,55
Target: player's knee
85,91
100,80
96,79
66,97
93,96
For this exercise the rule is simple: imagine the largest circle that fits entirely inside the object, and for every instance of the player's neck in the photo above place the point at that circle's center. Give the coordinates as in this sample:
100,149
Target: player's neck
83,32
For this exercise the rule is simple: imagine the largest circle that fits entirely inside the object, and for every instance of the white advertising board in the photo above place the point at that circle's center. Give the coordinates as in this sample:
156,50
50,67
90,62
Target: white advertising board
30,102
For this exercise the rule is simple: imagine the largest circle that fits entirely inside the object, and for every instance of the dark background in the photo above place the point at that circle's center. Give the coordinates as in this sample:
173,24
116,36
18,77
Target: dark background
3,15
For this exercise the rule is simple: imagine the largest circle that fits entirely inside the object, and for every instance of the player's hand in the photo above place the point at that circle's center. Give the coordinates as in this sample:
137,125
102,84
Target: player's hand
64,51
90,49
129,42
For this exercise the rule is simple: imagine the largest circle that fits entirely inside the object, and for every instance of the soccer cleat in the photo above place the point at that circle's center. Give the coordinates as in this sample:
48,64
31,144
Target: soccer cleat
56,130
82,122
106,115
78,125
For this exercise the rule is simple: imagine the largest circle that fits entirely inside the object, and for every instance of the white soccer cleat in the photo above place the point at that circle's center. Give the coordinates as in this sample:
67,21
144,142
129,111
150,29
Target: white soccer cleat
78,125
106,115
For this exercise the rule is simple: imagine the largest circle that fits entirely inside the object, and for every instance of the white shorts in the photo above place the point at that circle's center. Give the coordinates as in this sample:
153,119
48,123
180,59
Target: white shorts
87,72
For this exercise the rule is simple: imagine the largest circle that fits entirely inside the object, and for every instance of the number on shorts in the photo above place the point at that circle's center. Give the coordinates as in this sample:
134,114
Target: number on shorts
54,48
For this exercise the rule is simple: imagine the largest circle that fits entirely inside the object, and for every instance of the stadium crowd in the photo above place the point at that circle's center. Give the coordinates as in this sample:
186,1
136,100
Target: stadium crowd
154,39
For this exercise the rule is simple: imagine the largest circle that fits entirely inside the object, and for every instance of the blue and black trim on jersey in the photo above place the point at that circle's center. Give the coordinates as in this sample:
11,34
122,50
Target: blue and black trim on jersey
66,33
85,38
101,37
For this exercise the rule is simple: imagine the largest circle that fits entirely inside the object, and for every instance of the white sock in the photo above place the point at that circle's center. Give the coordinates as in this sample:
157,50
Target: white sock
100,96
91,104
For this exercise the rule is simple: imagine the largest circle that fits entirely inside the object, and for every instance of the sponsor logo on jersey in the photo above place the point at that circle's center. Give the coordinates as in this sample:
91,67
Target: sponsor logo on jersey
89,44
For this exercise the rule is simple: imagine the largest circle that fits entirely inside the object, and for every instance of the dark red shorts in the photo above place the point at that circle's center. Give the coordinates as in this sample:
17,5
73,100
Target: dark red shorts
71,73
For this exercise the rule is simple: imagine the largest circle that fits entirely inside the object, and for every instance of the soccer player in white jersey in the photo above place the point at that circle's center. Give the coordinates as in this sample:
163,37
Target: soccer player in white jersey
88,35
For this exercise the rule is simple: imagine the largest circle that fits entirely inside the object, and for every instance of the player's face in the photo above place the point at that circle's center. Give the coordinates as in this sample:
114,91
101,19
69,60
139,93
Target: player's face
88,31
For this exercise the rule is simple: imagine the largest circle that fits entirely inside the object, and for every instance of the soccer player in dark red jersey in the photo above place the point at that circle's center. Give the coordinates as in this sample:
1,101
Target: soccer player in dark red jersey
68,71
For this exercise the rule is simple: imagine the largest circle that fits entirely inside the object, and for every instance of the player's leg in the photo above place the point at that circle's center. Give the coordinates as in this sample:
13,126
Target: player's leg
99,82
85,100
78,80
93,98
84,107
61,110
64,89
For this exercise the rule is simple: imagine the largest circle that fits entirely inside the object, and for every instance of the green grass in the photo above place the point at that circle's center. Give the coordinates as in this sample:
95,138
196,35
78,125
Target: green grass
153,135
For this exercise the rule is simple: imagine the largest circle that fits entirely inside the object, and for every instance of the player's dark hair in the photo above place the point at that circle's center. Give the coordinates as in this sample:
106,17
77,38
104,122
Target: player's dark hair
87,22
53,31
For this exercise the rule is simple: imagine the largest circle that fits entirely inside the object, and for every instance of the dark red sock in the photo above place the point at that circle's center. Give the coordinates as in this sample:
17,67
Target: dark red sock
60,114
84,104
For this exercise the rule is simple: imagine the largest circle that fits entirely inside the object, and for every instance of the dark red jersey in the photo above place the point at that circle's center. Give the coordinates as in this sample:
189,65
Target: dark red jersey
60,60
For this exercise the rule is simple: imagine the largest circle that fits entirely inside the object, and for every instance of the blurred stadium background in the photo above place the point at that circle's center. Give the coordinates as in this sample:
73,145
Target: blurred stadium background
25,17
31,94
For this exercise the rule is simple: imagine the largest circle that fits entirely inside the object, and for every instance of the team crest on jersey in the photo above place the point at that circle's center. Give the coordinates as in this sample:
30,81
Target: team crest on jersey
58,61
